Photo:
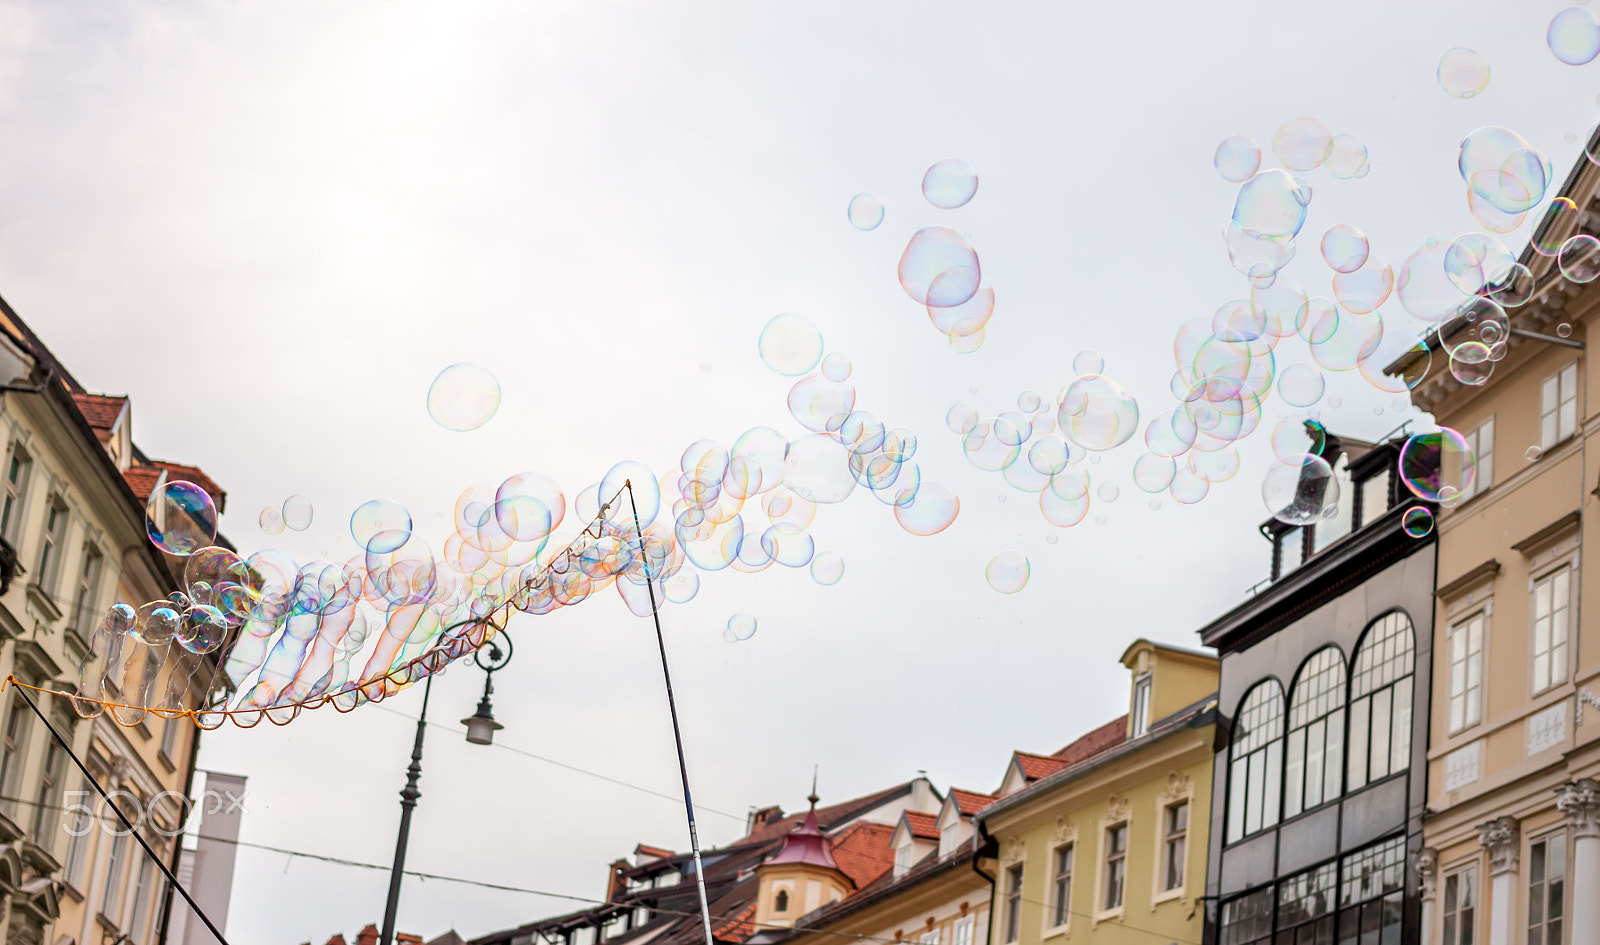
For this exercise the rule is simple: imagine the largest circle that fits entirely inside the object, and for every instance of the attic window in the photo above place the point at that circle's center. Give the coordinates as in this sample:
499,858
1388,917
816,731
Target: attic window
902,860
1141,705
949,837
781,902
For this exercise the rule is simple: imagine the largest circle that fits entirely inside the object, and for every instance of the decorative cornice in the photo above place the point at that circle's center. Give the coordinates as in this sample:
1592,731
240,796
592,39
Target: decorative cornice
1502,837
1533,543
1580,801
1179,786
1427,864
1471,579
1117,809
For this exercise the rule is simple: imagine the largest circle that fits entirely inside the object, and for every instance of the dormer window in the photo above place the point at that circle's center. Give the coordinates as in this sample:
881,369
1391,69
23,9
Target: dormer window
1141,705
902,860
780,903
949,837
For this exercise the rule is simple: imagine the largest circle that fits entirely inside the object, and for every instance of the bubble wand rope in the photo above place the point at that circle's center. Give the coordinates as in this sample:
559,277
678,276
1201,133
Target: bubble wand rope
672,707
161,864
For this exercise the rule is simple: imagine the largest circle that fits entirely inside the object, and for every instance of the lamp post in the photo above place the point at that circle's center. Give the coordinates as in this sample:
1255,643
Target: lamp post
481,727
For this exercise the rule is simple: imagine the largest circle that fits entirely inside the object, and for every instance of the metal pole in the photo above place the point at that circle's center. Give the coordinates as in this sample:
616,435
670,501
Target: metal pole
408,801
677,734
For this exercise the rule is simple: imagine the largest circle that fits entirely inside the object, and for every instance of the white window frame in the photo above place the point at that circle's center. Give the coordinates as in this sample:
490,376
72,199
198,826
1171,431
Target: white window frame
1558,406
84,610
1467,638
1454,877
1168,838
1110,859
1142,686
1481,440
1058,914
961,931
52,542
111,889
902,859
1011,921
19,470
1528,887
1556,652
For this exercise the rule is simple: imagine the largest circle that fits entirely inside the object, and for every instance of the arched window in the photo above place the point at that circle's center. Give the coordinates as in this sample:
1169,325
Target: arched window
1380,701
1255,761
781,903
1314,768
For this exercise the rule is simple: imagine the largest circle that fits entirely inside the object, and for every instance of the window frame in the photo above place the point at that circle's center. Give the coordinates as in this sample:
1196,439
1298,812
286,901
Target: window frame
83,605
1142,686
1060,908
14,739
1548,577
1450,934
1553,397
780,901
52,543
1326,724
138,909
1174,837
1483,459
1242,787
1363,712
1114,867
902,859
1470,695
1540,887
1013,902
110,893
45,813
13,508
964,924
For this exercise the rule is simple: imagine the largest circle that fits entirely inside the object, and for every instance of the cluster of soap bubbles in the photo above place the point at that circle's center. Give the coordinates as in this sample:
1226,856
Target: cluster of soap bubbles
294,514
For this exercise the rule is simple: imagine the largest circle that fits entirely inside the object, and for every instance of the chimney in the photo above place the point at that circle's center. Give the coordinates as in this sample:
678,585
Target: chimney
368,935
616,884
760,817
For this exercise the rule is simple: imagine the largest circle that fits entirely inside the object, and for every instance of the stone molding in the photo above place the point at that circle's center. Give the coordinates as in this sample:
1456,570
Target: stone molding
1502,837
1580,802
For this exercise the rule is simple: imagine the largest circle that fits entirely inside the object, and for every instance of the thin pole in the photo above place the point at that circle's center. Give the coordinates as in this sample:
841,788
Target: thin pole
677,733
173,880
408,801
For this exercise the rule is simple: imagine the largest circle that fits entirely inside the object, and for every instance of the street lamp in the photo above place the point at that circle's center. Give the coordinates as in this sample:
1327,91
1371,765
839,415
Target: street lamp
481,727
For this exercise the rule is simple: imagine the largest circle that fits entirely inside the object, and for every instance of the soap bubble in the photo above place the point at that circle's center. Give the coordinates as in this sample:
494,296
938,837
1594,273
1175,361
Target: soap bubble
1564,330
271,520
1271,204
1463,73
1344,248
1088,362
1579,259
939,268
157,623
1097,413
827,568
1237,158
1438,464
1347,158
865,212
1574,36
1301,385
1302,144
1417,521
949,183
1299,490
180,517
961,418
297,513
836,367
740,627
463,397
790,345
1007,572
1532,454
930,511
1366,288
380,525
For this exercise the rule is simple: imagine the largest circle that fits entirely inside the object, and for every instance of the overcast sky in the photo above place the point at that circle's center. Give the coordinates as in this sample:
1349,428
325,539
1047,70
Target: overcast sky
272,224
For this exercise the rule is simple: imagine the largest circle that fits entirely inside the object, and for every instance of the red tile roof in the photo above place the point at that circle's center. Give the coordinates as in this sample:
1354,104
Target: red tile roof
826,816
739,928
1109,735
101,410
862,851
970,802
338,939
1035,767
925,826
648,850
197,476
142,480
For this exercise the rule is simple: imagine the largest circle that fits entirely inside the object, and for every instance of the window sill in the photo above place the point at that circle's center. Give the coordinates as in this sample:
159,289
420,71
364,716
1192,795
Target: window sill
40,598
166,760
71,891
1166,896
1111,915
1056,930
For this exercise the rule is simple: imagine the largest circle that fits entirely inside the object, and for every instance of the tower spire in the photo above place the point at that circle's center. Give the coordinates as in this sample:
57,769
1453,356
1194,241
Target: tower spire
813,798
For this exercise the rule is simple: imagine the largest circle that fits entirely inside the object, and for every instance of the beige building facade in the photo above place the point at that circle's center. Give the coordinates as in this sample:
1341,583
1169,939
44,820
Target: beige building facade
1511,847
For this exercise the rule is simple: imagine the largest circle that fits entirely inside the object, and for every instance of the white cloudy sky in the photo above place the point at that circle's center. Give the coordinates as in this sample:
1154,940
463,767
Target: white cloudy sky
273,223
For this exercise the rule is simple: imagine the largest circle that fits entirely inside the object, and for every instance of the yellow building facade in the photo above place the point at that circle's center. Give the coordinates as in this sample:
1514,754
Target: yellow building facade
1110,847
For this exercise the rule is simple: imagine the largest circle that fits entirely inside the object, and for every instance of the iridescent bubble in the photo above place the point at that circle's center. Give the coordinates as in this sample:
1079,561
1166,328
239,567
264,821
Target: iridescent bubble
1302,144
930,512
1417,521
949,183
381,525
1301,385
1066,502
865,211
1343,339
815,400
790,345
1271,204
1532,454
1471,364
1434,465
1463,73
1153,473
271,521
1347,158
1344,248
1188,488
180,517
1425,288
740,627
1097,413
1564,330
827,568
1236,158
463,397
1007,572
817,468
1502,168
966,344
1561,220
1365,289
1574,36
1028,401
297,513
1300,489
1108,492
1397,346
1088,362
645,498
1257,255
836,367
1047,456
157,623
961,418
939,268
1579,258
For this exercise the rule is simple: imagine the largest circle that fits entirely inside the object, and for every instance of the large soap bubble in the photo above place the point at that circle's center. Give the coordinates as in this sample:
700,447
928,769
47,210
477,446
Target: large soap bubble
180,517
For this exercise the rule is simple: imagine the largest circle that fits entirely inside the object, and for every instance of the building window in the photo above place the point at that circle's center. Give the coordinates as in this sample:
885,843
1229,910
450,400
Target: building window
1141,705
1291,550
1380,701
1558,406
961,932
113,880
1175,849
1466,673
12,752
1374,497
1256,761
44,813
902,860
780,903
1371,892
930,937
55,531
1550,615
83,609
169,743
1013,902
1061,898
1461,906
1329,530
1480,439
1247,919
141,891
1116,865
16,489
1547,885
949,838
79,825
1315,762
1306,906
